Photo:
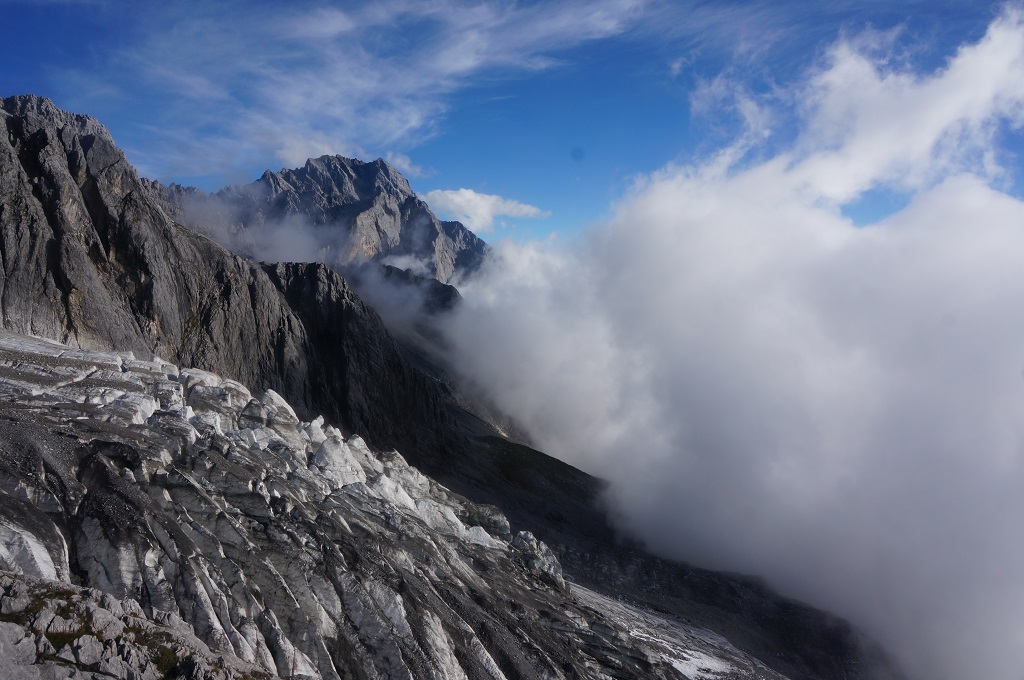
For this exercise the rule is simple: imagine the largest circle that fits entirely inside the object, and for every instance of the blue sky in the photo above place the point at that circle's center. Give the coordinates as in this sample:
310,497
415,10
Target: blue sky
556,108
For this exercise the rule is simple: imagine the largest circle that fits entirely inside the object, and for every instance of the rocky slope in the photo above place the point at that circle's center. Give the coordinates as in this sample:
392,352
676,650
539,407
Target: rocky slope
90,257
166,523
351,212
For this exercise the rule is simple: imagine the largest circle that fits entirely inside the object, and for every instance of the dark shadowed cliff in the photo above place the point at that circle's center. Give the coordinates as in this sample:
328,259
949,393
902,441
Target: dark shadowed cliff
90,258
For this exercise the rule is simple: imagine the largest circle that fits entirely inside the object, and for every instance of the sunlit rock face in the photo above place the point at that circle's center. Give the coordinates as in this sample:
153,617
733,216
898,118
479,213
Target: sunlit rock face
351,212
159,520
91,257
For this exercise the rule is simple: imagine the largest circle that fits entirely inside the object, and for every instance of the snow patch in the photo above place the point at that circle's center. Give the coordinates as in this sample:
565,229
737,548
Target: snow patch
22,552
698,666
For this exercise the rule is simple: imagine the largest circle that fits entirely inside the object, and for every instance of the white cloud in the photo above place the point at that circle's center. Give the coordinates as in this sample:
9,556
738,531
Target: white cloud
295,146
724,95
323,23
477,211
251,77
404,164
871,125
676,66
774,390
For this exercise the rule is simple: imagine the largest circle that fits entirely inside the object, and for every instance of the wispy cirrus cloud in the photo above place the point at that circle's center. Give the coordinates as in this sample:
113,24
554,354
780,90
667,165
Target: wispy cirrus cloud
228,88
405,164
230,84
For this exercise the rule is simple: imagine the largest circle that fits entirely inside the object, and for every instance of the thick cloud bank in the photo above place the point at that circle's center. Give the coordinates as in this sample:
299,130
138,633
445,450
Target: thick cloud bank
777,390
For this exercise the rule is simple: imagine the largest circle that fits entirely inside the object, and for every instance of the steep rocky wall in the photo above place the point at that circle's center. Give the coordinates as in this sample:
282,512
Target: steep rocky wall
89,257
367,211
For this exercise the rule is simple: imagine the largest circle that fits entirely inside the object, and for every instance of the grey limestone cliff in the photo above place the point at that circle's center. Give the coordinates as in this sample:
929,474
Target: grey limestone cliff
92,256
354,212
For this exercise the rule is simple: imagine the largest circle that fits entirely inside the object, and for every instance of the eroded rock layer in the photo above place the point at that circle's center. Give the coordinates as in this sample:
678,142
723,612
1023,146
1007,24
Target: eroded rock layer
157,519
355,212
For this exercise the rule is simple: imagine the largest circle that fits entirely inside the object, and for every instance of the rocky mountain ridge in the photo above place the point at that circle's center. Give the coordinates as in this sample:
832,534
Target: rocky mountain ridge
354,212
91,257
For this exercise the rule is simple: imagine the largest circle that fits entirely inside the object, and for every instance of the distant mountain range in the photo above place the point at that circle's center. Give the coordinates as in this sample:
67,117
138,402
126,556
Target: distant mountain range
194,493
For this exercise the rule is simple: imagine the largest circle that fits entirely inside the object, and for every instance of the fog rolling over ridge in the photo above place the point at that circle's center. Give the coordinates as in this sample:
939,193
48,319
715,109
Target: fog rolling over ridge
774,389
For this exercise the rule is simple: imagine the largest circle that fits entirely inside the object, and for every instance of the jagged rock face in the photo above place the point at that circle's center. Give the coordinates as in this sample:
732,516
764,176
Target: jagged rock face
362,377
51,629
366,212
90,256
185,510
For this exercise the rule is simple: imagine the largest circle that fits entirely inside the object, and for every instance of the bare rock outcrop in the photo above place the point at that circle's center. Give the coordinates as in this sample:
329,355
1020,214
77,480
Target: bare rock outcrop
160,522
357,212
90,257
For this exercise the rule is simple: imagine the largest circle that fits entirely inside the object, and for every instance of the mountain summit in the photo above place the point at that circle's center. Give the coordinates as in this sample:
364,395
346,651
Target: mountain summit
352,213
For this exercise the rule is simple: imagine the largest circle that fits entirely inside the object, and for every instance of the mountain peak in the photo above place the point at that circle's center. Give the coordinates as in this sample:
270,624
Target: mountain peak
356,211
349,175
37,109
